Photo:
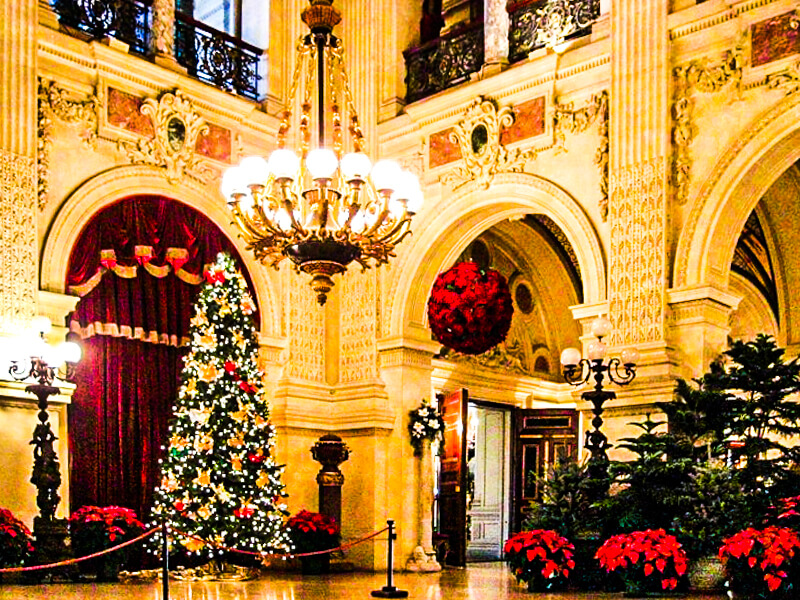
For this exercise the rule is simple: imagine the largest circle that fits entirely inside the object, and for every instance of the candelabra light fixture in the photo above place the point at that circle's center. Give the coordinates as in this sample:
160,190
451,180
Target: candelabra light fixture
321,207
44,364
578,371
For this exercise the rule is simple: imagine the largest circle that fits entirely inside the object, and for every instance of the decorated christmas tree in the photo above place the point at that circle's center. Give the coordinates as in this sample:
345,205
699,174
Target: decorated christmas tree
219,480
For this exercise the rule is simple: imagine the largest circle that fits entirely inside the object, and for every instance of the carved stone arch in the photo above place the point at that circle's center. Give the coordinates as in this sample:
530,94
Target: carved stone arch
112,185
442,234
720,208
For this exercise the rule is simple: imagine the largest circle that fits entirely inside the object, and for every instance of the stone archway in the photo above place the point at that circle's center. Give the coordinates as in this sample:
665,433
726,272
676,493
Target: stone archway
440,237
744,172
108,187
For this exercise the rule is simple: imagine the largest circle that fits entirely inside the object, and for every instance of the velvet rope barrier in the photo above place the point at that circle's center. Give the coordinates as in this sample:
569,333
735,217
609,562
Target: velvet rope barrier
73,561
155,530
282,554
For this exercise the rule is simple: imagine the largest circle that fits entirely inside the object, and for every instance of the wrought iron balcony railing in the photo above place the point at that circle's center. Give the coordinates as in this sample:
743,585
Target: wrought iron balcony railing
216,57
538,23
443,62
126,20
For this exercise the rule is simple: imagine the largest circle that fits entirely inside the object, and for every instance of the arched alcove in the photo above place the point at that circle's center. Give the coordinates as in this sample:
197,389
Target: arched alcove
440,236
720,208
109,187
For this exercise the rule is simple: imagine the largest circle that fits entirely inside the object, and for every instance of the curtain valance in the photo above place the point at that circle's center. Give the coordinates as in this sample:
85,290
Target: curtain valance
149,236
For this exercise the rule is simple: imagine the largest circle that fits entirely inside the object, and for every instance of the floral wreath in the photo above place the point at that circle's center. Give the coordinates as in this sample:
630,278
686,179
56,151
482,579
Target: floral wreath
425,424
470,308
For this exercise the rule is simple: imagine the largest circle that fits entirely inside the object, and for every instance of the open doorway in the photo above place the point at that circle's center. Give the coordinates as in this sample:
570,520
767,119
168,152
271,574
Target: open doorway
488,480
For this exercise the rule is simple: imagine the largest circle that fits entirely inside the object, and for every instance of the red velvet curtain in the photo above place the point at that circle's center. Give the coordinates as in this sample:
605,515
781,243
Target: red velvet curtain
137,265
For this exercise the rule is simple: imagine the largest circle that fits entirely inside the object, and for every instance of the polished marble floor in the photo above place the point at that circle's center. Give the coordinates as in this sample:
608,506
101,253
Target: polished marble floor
484,581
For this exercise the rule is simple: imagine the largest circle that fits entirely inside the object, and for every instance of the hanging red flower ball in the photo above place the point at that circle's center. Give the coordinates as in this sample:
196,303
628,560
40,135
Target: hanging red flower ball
470,308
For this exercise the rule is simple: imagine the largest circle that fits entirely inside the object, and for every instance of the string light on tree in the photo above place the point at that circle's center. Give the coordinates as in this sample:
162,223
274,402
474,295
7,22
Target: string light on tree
220,482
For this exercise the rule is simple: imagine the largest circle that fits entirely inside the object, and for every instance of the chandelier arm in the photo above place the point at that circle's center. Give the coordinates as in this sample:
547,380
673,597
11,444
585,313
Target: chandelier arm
396,229
355,129
579,373
623,377
19,371
244,223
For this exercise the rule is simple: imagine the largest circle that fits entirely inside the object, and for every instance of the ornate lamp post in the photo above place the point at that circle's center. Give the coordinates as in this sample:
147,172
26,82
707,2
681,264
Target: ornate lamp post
44,364
578,370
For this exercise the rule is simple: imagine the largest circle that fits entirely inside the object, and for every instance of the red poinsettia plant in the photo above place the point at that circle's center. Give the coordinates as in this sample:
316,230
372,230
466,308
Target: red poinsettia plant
648,561
470,308
763,563
312,532
541,558
95,528
15,540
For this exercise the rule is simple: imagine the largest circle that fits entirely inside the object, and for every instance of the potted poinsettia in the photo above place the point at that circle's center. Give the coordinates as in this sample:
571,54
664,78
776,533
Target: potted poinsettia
763,564
647,561
540,558
95,528
313,534
15,540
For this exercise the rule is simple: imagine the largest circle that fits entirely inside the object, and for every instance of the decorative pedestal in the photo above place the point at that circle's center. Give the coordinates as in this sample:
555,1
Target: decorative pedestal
423,558
330,451
52,545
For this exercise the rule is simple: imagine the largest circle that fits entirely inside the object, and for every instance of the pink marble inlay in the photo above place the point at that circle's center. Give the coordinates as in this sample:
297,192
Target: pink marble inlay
774,38
529,121
123,112
442,149
215,143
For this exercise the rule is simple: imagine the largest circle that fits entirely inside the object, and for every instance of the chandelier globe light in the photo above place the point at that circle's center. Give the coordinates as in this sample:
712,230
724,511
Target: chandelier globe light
321,207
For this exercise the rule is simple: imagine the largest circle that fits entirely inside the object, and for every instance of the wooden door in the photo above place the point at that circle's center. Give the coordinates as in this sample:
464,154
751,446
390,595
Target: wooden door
452,476
542,437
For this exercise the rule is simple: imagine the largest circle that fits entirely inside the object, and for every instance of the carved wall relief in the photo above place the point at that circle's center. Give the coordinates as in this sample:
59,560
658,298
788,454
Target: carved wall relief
177,127
637,268
54,101
696,77
568,120
19,265
478,138
358,327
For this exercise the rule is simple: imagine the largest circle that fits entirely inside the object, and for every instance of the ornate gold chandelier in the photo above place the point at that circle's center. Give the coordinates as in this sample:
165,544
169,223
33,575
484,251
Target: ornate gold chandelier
320,207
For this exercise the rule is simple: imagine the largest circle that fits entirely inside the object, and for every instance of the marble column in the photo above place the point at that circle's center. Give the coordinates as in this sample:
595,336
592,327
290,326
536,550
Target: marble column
639,141
163,40
19,256
495,36
423,559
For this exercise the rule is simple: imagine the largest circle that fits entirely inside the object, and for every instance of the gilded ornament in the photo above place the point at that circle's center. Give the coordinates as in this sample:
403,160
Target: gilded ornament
237,441
787,79
236,461
177,127
506,356
478,137
192,544
54,101
569,120
263,479
204,443
178,442
204,512
203,478
200,415
208,373
697,77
